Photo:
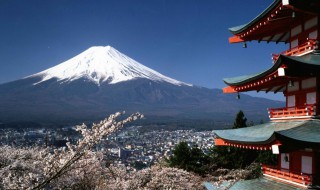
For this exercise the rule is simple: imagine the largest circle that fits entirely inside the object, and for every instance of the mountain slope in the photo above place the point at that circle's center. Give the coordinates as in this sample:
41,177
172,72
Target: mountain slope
102,80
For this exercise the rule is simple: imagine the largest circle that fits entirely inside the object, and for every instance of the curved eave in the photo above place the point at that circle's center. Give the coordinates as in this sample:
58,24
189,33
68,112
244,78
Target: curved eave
307,133
307,136
248,135
307,65
241,80
302,131
241,28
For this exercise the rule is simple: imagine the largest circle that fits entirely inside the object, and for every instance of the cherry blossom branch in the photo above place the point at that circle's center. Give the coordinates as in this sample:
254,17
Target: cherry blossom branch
91,137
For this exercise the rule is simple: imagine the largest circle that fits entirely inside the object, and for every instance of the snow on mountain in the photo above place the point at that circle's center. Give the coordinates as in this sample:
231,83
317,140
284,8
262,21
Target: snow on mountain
102,64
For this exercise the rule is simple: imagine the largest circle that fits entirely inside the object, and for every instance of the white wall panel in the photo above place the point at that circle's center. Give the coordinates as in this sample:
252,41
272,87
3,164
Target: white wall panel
296,30
306,164
291,101
284,164
294,43
313,35
311,98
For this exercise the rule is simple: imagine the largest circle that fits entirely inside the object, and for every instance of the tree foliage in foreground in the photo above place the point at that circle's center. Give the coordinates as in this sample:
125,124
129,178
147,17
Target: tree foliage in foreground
79,167
190,159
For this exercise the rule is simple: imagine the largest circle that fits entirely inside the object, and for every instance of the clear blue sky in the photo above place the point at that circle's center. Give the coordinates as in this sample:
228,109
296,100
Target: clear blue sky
184,39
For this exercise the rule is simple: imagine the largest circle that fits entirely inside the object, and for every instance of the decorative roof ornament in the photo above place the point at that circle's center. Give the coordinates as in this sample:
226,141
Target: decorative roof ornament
238,96
316,49
291,83
245,45
316,46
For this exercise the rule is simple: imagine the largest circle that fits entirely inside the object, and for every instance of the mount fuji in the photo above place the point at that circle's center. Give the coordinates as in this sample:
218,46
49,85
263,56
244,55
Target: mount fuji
102,80
102,65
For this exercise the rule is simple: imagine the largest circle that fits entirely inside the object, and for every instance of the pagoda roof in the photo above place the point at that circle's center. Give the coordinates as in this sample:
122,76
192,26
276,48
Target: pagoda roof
295,66
275,22
239,80
243,27
307,131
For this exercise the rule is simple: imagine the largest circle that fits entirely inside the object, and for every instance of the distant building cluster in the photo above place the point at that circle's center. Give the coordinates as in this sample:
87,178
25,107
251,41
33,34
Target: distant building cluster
56,137
129,147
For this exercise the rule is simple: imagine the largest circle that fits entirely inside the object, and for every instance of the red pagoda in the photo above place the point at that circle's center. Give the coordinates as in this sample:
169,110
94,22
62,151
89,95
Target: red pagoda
294,130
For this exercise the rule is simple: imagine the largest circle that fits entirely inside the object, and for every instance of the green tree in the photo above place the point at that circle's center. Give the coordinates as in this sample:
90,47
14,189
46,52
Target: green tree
139,165
198,161
181,156
190,159
240,121
266,157
231,157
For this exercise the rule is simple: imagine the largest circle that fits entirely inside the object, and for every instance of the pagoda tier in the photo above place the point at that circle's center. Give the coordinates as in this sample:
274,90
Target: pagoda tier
296,76
296,142
286,69
282,21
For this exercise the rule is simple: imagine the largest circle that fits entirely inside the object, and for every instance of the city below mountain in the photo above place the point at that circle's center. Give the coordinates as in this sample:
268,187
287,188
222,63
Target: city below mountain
101,80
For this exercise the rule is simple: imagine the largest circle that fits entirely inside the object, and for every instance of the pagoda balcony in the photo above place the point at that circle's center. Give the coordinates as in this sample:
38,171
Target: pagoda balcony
300,112
287,176
299,50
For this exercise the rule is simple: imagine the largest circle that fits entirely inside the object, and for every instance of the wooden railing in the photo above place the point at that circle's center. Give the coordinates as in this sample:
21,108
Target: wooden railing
288,176
308,46
306,111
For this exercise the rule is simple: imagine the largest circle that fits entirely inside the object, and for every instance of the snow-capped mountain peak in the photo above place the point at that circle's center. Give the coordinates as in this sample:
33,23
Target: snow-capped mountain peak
102,64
